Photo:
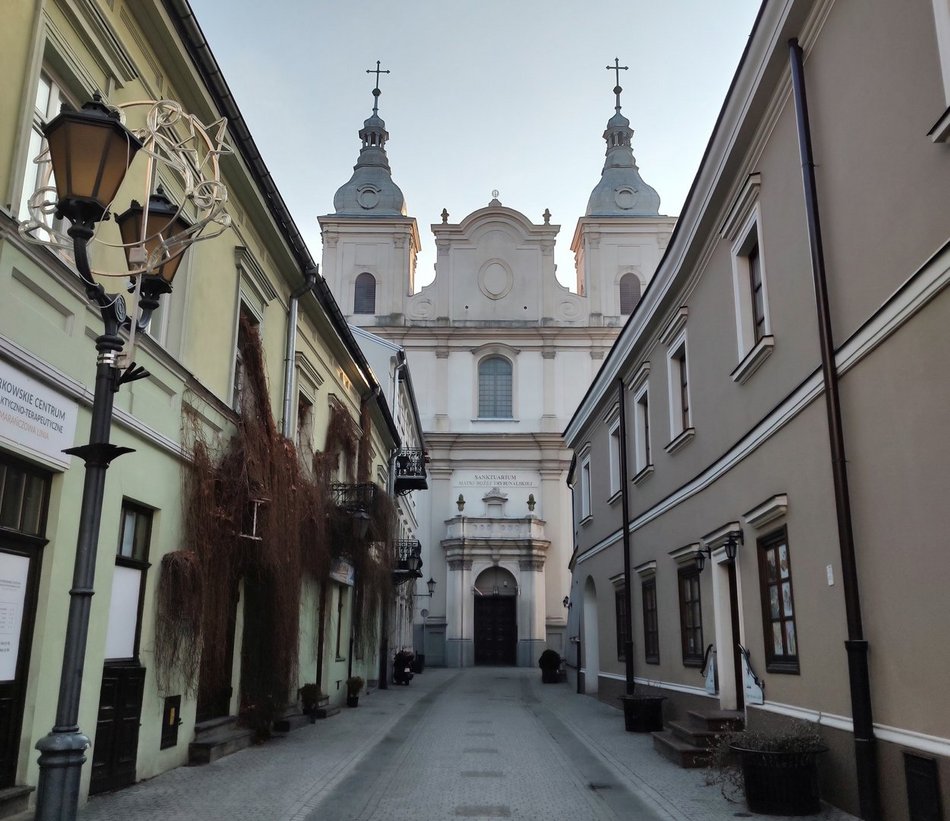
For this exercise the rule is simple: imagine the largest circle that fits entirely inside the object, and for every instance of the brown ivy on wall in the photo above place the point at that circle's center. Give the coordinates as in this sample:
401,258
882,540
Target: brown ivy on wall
262,513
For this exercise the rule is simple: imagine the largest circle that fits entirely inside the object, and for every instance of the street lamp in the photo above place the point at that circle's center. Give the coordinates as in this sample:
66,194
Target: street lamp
89,153
733,539
360,524
425,611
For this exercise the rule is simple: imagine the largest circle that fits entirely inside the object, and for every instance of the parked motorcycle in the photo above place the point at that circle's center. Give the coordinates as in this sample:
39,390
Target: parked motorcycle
402,667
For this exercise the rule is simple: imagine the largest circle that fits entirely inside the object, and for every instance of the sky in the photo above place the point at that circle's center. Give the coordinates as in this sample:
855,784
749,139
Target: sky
510,95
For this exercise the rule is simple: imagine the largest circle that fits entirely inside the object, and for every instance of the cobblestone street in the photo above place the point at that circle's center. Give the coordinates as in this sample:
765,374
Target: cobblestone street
480,743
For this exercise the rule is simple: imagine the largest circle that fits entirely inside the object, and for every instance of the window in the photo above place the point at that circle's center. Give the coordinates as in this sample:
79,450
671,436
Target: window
46,105
615,444
644,458
247,325
128,582
757,298
754,339
585,488
651,628
494,388
364,294
135,533
691,616
778,604
622,603
304,424
680,413
23,495
941,129
629,293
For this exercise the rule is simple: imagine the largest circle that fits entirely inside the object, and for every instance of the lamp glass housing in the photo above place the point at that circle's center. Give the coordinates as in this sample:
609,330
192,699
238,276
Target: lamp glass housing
360,524
90,151
165,223
431,585
414,562
700,560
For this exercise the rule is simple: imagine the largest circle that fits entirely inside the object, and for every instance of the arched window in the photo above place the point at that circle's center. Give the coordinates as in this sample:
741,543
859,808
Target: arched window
494,388
364,294
629,293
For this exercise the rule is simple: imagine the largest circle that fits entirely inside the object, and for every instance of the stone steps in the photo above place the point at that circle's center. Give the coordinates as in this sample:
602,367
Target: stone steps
687,743
14,802
217,738
291,722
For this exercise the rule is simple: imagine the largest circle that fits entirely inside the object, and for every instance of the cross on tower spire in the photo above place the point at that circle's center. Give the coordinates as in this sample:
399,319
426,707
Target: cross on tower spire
376,92
617,68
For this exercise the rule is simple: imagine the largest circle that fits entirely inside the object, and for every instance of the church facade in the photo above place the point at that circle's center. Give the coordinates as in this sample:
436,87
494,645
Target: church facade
501,352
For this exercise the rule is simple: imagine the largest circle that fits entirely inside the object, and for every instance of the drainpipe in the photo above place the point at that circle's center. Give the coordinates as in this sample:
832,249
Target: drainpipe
625,506
391,489
290,348
865,753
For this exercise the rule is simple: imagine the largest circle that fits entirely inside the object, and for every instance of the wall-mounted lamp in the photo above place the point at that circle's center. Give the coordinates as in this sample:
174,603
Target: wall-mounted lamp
360,524
460,503
731,544
566,601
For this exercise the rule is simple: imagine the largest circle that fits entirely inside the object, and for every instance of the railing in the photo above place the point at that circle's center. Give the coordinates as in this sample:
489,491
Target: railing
404,548
352,497
410,470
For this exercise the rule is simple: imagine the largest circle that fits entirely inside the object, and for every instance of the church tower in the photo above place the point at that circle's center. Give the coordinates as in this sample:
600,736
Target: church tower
619,241
500,354
369,244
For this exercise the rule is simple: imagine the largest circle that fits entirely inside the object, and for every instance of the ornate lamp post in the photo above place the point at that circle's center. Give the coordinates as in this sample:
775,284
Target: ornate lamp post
88,154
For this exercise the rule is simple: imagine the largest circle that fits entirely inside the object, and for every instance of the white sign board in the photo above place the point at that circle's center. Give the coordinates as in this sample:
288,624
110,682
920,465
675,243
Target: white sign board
123,613
13,573
343,572
35,417
504,480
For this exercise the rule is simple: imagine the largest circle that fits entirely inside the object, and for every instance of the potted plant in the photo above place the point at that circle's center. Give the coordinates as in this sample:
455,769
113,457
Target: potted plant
310,698
642,712
777,770
353,686
550,663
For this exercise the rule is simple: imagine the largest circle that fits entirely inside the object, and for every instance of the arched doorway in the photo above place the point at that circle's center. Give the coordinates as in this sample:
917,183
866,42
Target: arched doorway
496,619
591,638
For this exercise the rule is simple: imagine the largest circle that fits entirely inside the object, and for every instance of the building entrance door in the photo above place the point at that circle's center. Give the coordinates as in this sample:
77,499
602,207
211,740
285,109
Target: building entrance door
214,685
496,630
24,492
18,582
117,728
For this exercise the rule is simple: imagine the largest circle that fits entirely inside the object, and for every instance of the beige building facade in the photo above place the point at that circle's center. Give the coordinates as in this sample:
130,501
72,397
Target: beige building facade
248,353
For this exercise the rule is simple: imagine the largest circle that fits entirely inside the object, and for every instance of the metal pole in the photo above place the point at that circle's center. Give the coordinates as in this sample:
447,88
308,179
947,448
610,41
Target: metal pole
865,752
62,751
625,505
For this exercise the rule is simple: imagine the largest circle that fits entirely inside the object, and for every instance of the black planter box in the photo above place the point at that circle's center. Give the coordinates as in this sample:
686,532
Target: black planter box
352,701
781,783
643,714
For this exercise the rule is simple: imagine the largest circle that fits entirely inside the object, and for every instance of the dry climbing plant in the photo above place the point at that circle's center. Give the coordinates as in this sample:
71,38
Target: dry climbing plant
260,472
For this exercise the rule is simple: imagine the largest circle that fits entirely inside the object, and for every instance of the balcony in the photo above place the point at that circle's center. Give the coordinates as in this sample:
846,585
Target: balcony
360,514
408,560
411,470
350,497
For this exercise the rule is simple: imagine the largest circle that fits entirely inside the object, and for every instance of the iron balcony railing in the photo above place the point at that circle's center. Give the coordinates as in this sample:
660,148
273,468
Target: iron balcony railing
411,470
405,548
353,497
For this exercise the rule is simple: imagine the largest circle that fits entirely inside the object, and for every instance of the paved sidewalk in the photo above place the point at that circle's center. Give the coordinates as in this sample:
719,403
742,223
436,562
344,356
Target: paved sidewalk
399,755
